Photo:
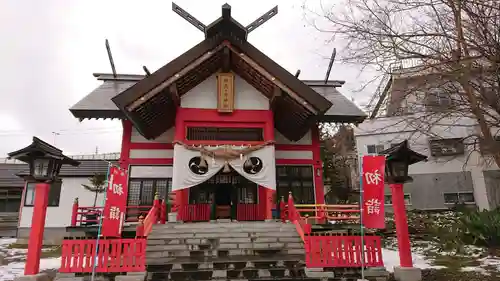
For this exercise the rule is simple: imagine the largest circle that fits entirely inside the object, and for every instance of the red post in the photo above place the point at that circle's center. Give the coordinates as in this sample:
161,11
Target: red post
401,221
74,213
283,209
139,230
157,206
163,212
37,228
291,208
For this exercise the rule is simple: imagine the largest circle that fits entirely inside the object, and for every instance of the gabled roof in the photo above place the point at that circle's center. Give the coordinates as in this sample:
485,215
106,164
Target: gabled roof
150,103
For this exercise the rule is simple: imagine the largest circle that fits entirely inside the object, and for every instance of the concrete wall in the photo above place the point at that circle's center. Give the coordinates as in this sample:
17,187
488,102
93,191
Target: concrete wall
390,130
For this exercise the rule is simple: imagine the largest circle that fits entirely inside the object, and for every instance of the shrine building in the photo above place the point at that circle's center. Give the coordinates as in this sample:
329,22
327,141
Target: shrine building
223,126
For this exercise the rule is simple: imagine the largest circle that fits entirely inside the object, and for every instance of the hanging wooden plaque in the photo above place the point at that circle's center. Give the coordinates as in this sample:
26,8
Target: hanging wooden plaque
225,92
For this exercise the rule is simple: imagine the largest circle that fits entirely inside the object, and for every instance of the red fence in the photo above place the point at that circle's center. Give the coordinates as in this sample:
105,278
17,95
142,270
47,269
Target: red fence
343,251
85,216
249,212
113,255
334,251
194,212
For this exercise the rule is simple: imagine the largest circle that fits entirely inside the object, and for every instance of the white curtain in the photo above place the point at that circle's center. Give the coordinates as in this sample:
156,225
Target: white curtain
183,177
265,177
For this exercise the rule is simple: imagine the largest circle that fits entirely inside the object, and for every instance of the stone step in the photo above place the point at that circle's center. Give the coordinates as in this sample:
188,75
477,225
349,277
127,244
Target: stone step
224,274
237,261
224,246
215,241
156,234
222,230
223,225
150,256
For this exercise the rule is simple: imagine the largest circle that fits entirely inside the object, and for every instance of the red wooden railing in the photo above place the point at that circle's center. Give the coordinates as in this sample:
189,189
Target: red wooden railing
343,251
113,255
334,251
155,215
84,216
249,212
194,212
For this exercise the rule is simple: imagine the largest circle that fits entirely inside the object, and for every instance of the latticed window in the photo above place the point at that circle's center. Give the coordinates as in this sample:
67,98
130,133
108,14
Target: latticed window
141,192
224,134
298,180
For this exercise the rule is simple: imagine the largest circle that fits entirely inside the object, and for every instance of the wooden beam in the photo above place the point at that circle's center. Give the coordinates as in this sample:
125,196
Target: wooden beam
276,95
155,91
273,79
174,94
226,60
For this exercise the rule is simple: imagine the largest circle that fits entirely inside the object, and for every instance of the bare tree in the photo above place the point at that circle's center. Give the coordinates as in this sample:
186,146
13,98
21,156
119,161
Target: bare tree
453,46
339,161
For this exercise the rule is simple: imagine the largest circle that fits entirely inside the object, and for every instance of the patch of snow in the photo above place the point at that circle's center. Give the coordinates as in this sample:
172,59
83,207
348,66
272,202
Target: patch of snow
14,269
391,259
490,262
475,269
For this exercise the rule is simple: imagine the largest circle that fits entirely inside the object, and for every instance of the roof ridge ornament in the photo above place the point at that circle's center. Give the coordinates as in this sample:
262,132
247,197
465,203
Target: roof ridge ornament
226,15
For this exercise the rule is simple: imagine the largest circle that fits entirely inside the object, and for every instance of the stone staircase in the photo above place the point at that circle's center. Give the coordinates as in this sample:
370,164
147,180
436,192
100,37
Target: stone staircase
224,251
229,251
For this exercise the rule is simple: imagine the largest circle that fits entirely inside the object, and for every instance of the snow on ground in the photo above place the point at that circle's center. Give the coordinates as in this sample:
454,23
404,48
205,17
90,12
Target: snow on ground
391,259
12,261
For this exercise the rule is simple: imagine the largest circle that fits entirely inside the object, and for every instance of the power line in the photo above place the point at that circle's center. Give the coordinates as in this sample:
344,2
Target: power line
66,133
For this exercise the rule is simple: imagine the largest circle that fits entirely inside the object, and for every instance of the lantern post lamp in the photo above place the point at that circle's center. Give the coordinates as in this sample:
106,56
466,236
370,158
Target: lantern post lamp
44,162
398,160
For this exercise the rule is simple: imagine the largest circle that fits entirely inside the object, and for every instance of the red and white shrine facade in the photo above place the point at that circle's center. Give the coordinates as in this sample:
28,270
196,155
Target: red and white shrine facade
223,126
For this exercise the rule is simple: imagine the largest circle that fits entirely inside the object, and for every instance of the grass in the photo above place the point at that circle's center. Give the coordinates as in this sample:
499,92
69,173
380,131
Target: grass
47,251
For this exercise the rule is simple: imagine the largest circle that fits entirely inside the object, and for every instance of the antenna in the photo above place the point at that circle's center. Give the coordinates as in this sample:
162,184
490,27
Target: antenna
188,17
332,59
146,70
110,56
262,19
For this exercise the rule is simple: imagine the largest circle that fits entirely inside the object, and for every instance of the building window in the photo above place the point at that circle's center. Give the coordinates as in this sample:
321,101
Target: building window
298,180
447,147
10,200
54,194
438,99
459,198
224,134
141,192
375,148
388,199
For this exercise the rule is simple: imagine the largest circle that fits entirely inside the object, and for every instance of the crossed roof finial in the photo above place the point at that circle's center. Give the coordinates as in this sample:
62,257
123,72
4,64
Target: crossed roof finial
226,15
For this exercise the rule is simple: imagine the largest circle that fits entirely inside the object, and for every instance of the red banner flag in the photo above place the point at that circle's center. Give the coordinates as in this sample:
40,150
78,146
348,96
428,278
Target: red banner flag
373,191
116,203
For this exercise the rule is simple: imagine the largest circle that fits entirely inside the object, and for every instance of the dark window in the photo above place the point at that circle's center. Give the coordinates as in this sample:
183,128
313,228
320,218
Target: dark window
224,134
438,99
298,180
388,199
54,194
375,148
10,200
447,147
141,192
459,198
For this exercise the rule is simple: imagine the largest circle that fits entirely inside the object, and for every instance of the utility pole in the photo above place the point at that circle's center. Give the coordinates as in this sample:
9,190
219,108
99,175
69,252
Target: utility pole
55,136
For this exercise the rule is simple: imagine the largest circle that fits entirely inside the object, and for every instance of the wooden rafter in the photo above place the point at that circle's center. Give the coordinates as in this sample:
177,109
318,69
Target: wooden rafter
275,81
155,91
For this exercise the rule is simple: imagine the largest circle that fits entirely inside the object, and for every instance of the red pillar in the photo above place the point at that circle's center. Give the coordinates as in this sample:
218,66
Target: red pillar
401,221
37,227
268,209
74,212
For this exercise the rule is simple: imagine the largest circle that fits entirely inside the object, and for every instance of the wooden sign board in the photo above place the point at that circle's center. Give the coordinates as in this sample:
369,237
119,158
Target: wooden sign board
225,92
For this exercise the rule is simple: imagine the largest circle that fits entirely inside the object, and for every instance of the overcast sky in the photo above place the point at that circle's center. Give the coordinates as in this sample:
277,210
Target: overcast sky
51,48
